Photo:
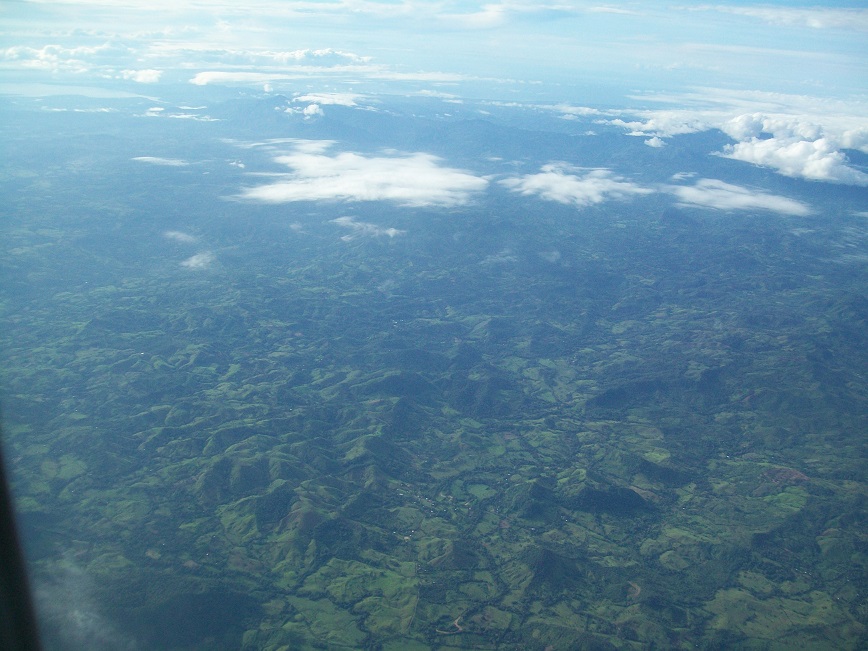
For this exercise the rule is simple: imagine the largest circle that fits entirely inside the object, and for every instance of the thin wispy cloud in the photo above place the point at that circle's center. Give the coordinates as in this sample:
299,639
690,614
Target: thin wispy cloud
364,229
488,17
199,261
157,160
179,236
718,195
813,17
504,256
338,99
224,77
416,179
579,187
374,42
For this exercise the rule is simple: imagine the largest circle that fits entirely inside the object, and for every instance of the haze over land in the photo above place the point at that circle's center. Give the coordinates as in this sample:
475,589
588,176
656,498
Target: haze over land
437,325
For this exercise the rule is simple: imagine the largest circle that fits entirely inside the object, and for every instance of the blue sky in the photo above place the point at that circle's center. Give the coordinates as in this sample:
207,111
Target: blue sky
555,50
788,82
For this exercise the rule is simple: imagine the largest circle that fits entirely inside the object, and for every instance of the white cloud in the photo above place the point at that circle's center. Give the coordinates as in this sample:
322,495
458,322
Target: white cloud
503,257
199,261
188,116
434,93
364,229
142,76
60,59
156,160
321,57
568,110
814,17
579,187
205,55
795,135
339,99
179,236
603,9
664,123
260,78
816,160
433,77
712,193
313,110
222,77
416,179
796,147
655,142
490,16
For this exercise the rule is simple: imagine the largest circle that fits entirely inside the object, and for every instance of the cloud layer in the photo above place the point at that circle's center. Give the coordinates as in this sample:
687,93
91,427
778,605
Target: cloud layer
813,17
795,135
416,179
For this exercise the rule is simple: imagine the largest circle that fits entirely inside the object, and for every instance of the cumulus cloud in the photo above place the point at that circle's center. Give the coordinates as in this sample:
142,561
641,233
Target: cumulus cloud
579,187
364,229
156,160
664,123
323,57
655,142
59,59
716,194
795,135
794,147
313,110
142,76
416,179
199,261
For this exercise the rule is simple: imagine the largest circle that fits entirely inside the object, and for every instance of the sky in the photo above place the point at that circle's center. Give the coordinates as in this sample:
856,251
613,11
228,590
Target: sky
786,81
523,48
